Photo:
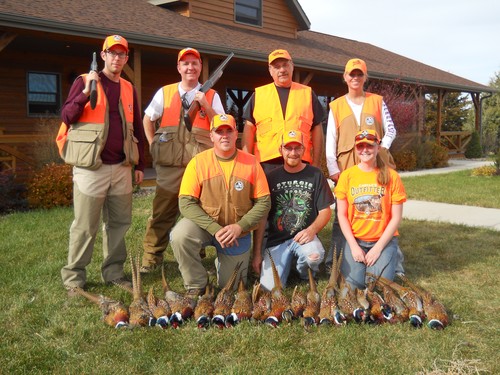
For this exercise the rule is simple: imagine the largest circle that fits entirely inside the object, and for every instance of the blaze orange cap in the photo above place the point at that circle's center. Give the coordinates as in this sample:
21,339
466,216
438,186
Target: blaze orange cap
221,120
279,54
369,136
354,64
293,136
113,40
187,51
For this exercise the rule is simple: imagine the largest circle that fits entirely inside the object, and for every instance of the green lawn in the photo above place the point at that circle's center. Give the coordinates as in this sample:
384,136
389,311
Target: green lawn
42,332
456,188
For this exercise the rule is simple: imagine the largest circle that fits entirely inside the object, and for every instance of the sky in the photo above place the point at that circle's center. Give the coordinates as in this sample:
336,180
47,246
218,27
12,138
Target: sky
461,37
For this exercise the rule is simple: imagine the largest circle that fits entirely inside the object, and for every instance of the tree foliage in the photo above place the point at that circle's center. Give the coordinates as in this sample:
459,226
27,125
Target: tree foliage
401,101
491,119
455,110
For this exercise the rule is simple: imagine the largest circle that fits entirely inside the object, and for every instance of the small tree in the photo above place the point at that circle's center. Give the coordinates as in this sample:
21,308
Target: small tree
473,149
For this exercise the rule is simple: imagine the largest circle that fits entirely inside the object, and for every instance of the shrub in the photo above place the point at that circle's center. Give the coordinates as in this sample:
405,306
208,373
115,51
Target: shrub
440,156
406,160
12,194
473,149
51,186
485,170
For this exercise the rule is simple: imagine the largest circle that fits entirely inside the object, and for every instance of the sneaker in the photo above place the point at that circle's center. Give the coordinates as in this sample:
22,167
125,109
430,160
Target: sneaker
149,268
122,282
399,273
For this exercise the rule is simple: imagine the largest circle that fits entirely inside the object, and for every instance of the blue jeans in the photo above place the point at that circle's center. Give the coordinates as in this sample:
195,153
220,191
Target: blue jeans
309,255
355,272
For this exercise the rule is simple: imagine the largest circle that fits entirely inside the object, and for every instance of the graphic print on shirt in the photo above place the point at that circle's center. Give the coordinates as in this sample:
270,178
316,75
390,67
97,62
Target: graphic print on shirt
368,201
293,206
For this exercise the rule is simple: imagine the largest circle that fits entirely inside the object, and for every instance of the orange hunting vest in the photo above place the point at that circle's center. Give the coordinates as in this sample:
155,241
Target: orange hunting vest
92,119
238,198
172,108
271,125
347,126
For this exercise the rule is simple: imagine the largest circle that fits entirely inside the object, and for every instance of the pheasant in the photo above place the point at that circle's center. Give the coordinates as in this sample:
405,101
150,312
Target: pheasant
114,313
380,311
204,310
399,308
348,302
311,312
180,306
410,298
434,310
242,306
298,302
261,300
225,299
280,304
140,315
329,311
160,309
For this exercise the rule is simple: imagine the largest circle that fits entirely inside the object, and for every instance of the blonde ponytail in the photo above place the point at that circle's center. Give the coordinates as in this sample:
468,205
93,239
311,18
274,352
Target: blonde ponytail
383,171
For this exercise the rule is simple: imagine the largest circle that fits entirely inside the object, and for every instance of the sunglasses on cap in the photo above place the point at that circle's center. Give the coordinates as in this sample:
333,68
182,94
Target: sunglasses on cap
367,136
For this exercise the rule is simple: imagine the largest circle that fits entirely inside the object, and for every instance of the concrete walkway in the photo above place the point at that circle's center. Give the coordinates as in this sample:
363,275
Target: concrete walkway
452,213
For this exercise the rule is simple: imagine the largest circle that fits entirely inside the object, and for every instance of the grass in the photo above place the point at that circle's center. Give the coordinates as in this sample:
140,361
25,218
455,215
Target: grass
465,189
41,331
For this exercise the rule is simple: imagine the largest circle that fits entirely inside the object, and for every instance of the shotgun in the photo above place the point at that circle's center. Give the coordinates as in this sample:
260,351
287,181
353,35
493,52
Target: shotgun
190,113
93,84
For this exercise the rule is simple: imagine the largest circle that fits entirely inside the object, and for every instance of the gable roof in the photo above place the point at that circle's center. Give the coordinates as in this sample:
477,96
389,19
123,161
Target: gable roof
146,24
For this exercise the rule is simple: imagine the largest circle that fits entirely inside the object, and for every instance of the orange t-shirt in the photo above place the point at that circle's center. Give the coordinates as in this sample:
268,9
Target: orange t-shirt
368,203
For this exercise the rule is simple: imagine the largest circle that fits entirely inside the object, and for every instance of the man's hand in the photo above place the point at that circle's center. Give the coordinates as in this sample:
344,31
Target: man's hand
228,235
304,236
257,262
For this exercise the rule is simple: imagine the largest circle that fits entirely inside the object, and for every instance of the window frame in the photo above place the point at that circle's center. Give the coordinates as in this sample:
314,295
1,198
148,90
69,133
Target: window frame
246,20
43,108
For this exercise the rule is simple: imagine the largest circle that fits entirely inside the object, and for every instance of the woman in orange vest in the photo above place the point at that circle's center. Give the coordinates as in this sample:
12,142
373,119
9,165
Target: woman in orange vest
357,110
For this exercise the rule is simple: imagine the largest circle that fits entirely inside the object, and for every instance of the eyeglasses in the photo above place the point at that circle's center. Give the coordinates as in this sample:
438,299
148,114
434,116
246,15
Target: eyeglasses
292,149
367,136
113,54
356,75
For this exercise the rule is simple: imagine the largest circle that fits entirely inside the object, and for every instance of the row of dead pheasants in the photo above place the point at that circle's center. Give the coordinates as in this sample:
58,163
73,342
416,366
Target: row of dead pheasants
383,301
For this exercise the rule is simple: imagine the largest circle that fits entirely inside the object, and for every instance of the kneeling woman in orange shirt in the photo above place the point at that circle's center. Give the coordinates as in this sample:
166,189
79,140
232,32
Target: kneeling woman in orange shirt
370,198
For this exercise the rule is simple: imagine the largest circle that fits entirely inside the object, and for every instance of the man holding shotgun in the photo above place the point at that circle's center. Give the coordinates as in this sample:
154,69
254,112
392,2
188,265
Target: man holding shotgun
103,139
172,144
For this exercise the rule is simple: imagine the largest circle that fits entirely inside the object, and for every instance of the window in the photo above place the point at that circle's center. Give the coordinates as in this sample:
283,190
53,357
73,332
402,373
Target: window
236,99
248,11
44,93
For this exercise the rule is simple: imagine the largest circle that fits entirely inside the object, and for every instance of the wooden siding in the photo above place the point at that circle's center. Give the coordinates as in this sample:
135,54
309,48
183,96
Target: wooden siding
277,18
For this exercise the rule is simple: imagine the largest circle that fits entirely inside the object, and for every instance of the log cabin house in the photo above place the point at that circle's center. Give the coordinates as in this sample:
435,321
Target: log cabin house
44,46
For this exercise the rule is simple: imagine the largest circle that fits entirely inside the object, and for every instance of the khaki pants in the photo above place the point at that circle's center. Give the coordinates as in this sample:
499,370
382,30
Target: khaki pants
187,239
164,215
107,189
